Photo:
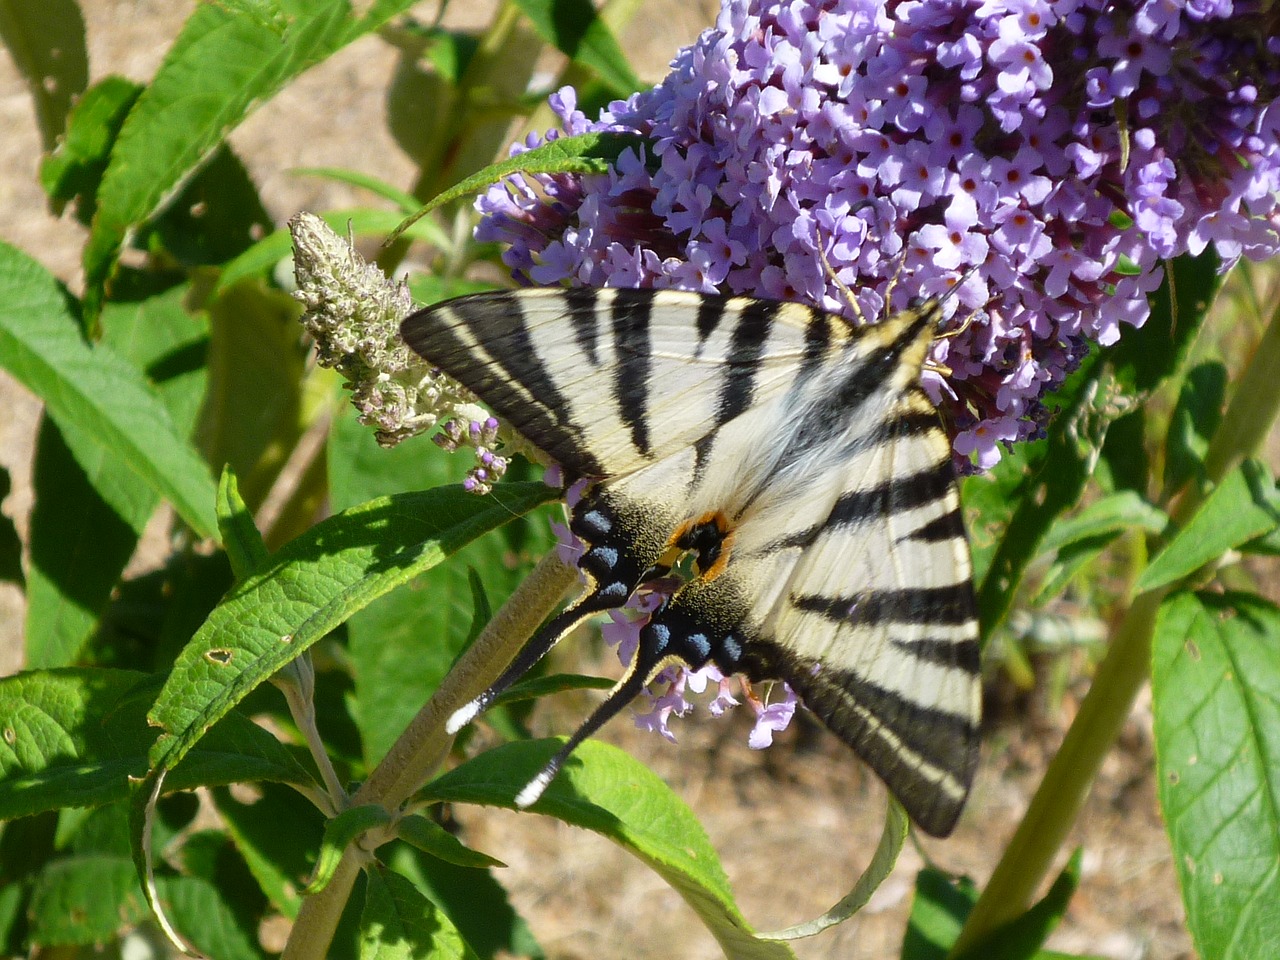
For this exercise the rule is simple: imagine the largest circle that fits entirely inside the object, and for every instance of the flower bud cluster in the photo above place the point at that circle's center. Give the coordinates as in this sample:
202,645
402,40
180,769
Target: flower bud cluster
353,312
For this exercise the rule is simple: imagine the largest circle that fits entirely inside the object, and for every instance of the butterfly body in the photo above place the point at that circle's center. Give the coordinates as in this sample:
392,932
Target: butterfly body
798,463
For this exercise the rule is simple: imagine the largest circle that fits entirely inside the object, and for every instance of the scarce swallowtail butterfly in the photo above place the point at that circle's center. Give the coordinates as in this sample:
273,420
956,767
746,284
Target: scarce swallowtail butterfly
794,459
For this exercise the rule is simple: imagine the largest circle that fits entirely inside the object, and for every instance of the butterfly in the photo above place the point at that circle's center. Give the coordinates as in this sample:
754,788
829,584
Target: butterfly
790,464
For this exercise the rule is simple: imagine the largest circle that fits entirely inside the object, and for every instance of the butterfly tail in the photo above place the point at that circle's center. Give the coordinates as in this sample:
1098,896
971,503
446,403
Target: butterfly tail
649,661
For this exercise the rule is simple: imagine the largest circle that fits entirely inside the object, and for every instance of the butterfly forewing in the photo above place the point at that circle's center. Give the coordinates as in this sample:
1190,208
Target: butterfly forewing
802,462
608,381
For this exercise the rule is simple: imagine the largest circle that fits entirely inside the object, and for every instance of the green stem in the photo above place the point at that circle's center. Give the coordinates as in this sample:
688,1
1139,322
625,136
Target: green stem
419,750
424,745
1254,407
1027,859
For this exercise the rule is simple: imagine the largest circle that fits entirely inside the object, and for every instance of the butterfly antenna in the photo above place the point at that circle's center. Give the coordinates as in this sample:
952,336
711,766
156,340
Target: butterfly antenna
645,666
893,282
951,293
840,285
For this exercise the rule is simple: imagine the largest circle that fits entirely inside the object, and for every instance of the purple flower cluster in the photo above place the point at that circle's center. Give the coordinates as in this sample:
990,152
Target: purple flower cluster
1057,150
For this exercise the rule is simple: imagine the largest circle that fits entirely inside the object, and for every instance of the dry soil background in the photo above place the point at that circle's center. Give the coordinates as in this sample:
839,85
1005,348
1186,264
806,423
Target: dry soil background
793,824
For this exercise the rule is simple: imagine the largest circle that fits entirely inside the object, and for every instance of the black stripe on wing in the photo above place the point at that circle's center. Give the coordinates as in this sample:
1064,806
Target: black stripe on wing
950,605
926,757
949,526
582,318
483,342
752,324
629,314
944,651
743,363
894,495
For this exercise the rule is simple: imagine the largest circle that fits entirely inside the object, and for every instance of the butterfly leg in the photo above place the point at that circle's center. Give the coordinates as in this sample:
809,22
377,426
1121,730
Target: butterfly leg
614,563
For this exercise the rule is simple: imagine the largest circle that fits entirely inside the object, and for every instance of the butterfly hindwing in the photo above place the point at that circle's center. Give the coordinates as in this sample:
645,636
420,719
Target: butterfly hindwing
878,629
799,462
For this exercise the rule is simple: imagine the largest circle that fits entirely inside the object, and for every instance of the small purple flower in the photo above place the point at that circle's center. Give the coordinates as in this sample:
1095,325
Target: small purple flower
923,138
1063,149
772,718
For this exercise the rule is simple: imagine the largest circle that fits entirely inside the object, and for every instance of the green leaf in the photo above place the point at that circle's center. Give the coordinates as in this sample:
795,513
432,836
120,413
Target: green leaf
1195,419
80,544
1147,355
263,256
276,831
81,900
452,125
989,500
405,203
577,30
214,218
450,52
1024,936
311,585
13,918
940,907
399,923
94,390
472,900
340,831
1079,539
1125,464
74,737
150,325
604,790
253,413
1054,478
90,510
73,171
267,13
431,838
47,43
239,533
942,903
1244,506
222,64
200,911
1216,686
586,153
1067,565
1114,513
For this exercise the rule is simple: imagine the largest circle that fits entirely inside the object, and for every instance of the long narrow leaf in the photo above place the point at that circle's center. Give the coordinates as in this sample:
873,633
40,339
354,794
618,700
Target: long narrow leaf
310,586
1244,506
605,790
222,65
94,390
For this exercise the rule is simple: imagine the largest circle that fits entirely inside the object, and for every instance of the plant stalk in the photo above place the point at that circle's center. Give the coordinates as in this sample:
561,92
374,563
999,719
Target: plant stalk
423,746
1028,857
